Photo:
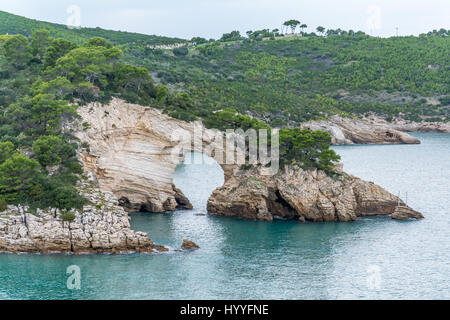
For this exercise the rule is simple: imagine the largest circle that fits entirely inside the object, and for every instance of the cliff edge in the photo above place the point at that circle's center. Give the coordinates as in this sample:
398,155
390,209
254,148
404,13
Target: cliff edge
305,196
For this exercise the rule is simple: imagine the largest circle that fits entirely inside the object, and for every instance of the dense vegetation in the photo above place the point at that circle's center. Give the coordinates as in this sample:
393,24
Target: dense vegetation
287,79
41,81
13,24
259,81
302,147
294,79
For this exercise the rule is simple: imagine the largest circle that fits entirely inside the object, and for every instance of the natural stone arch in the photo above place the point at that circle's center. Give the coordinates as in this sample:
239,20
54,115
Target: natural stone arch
133,152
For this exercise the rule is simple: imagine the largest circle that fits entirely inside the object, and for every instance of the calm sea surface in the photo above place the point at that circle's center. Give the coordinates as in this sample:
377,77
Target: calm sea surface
372,258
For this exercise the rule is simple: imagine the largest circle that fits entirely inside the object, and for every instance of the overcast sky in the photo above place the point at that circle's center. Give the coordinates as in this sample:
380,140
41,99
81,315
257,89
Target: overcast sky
211,18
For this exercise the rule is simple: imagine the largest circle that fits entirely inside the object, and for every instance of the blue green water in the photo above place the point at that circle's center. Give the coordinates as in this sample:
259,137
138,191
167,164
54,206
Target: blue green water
375,258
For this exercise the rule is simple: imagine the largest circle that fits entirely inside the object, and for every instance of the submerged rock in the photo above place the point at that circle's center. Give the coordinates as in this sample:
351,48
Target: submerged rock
188,244
161,249
303,195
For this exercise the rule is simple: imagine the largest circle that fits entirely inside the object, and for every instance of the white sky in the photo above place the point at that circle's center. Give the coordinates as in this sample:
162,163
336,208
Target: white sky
211,18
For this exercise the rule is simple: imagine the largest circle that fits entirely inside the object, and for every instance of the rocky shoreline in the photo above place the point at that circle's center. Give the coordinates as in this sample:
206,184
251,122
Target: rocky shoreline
102,227
305,196
360,131
130,154
410,126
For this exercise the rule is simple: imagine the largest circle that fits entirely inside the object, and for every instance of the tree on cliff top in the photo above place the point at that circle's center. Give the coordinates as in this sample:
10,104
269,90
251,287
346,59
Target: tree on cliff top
292,24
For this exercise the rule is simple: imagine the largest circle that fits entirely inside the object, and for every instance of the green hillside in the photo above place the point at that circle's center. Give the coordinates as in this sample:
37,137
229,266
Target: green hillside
287,80
300,78
13,24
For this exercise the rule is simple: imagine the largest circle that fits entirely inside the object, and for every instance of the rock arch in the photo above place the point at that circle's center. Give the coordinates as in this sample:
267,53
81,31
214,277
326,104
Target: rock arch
133,151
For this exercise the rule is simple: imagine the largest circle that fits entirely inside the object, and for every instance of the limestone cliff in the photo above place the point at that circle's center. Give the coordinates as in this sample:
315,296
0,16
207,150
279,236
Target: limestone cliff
411,126
102,227
133,152
357,131
132,148
304,195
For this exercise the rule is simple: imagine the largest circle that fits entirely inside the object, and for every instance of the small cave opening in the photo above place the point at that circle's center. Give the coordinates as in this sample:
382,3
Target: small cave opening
124,202
279,207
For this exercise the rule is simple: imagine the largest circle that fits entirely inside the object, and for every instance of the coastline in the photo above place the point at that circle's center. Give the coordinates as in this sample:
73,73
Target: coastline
130,166
102,227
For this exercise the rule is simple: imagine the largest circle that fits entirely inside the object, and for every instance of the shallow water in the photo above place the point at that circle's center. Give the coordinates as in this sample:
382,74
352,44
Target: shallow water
371,258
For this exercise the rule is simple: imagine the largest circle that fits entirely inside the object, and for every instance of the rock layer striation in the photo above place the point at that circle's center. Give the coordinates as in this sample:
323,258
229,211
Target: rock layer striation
102,227
304,195
357,131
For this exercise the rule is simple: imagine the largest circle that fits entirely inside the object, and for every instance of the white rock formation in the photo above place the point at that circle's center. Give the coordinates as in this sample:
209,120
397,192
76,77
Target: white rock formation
134,150
102,227
351,131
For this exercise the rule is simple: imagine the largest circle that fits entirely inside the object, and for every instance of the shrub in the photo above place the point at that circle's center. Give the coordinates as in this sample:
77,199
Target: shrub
3,205
68,216
183,51
66,198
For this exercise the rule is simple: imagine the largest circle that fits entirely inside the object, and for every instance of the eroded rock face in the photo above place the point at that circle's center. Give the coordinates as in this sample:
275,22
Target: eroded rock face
133,153
356,131
410,126
403,213
102,227
303,195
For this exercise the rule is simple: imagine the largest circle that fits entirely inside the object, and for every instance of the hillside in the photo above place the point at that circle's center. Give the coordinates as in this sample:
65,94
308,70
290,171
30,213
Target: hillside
300,78
14,24
288,80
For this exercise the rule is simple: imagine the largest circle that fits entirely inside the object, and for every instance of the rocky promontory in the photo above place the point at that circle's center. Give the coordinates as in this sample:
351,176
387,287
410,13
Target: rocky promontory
133,152
358,131
304,195
101,227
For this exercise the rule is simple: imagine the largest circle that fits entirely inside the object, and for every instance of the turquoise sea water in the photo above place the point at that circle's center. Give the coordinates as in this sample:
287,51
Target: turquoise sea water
372,258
